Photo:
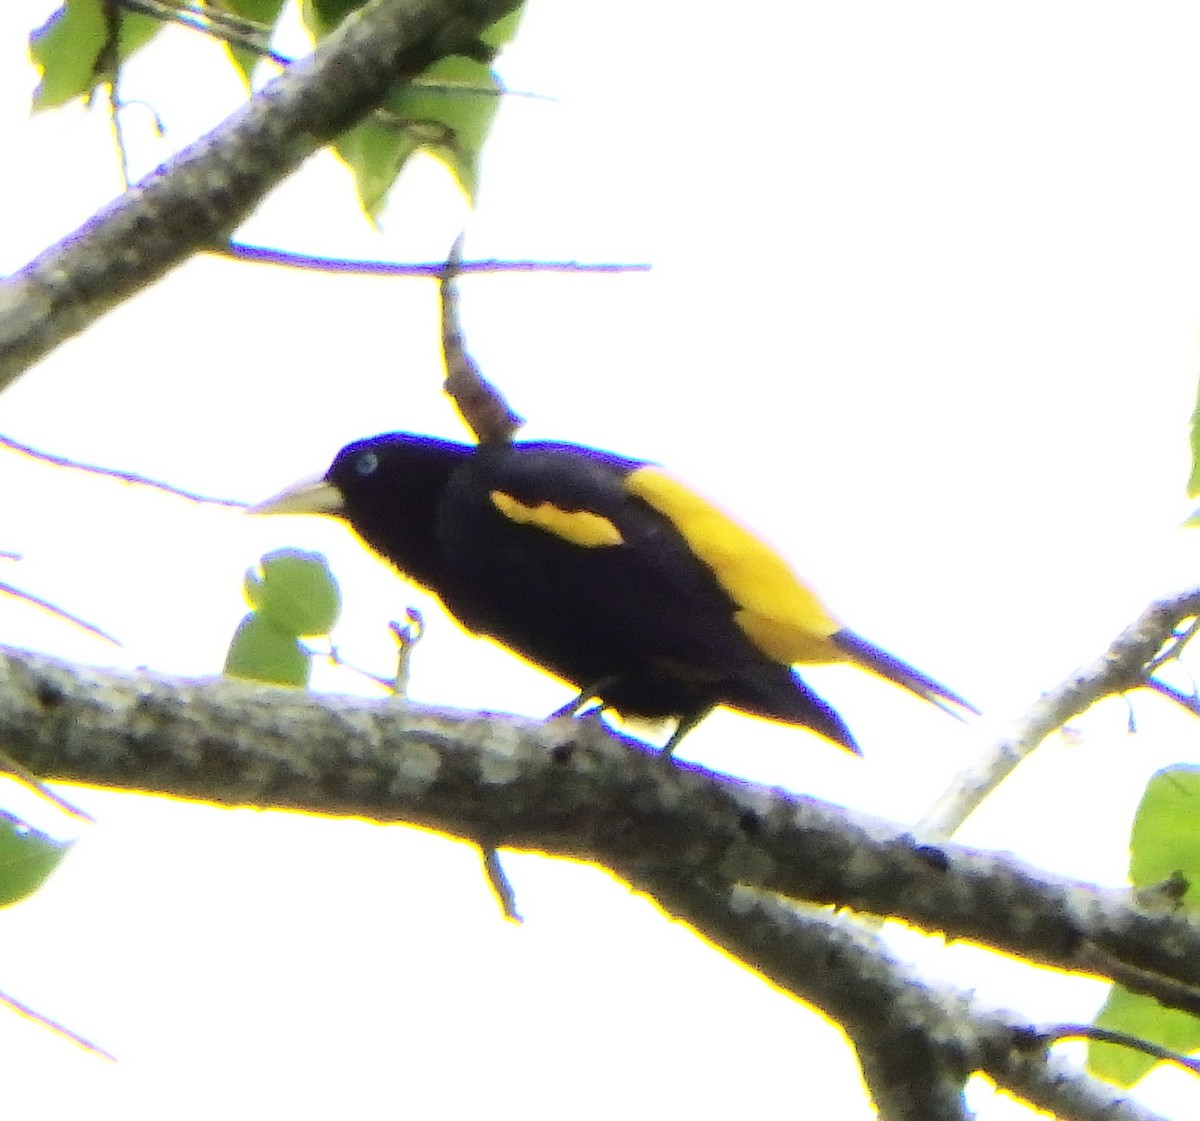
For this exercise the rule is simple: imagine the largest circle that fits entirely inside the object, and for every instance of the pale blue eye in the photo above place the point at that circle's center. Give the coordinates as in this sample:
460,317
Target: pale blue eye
367,463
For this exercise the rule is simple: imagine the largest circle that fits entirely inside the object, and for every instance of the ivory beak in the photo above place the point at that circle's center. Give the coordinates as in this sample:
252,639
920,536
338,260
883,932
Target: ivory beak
311,496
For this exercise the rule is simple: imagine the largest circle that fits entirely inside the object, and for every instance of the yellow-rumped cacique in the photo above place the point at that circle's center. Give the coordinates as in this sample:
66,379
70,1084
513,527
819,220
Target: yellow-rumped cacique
604,571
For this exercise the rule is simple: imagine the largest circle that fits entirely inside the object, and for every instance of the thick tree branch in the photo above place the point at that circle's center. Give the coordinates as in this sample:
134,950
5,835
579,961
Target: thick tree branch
567,788
917,1043
196,200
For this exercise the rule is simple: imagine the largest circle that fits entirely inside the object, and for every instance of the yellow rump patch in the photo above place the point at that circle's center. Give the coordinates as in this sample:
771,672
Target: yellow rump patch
580,527
781,616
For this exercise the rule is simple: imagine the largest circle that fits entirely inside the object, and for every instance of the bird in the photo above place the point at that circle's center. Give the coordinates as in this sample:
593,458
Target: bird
605,571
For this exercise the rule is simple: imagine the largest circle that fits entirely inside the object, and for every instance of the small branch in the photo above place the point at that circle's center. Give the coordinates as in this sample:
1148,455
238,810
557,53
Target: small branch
1124,666
917,1042
121,476
60,612
501,885
1173,648
114,118
109,64
212,22
255,254
844,970
407,635
1057,1032
54,1026
255,38
334,657
481,405
1052,1084
196,199
1147,981
1190,702
27,778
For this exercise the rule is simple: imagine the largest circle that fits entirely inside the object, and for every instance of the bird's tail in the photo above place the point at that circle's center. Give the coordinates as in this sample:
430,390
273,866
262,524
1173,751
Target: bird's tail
867,654
777,692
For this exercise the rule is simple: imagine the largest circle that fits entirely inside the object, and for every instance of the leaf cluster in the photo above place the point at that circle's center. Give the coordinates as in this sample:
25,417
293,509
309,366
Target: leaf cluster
446,110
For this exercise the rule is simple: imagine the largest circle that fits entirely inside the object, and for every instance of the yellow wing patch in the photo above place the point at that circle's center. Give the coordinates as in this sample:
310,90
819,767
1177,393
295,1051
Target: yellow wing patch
580,527
781,616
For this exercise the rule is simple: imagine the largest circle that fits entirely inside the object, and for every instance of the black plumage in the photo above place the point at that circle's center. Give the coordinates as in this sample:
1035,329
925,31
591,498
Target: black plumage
603,571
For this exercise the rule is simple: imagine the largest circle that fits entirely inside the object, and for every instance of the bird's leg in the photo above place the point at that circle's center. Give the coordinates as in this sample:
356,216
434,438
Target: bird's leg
571,708
686,723
591,693
577,707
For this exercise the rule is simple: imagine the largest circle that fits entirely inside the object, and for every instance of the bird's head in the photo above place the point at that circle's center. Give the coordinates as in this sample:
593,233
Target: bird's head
388,488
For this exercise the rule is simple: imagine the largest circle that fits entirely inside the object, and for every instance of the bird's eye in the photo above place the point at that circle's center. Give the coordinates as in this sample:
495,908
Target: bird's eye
366,464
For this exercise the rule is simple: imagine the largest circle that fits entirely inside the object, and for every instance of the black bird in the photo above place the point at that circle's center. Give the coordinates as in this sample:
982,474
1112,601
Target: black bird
604,571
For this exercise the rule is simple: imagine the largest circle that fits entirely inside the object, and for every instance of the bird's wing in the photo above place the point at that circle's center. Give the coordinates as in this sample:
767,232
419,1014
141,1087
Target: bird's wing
778,613
621,547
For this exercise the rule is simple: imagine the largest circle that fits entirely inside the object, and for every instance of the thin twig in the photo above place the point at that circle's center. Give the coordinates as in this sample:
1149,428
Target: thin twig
54,609
27,778
1174,647
1125,665
121,476
1167,990
254,37
109,64
207,22
1057,1032
114,119
1189,701
55,1026
334,657
187,204
260,255
407,635
500,883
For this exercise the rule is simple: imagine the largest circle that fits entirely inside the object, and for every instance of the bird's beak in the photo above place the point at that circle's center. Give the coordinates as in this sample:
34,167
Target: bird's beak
312,496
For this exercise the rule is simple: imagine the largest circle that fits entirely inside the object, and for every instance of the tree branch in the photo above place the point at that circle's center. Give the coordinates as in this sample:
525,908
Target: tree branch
196,200
130,477
572,789
1127,664
341,266
481,405
917,1043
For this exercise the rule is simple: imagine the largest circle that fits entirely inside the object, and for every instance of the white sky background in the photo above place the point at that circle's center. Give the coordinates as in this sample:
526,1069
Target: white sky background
924,309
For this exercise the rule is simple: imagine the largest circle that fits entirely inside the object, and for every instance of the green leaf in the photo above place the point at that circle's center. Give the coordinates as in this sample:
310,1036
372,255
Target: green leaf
1164,864
1194,482
296,591
375,155
447,110
1165,840
27,857
450,117
264,13
503,30
260,651
1143,1017
322,16
66,48
69,47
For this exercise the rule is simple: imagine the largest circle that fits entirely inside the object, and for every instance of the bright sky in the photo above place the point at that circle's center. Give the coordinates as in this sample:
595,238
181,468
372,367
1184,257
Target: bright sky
924,309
